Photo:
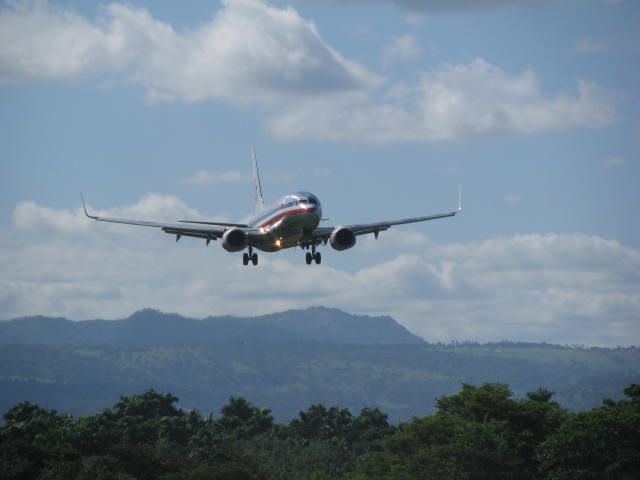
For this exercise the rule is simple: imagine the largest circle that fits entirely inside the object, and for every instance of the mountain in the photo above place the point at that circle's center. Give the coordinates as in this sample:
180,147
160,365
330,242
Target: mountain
151,327
287,361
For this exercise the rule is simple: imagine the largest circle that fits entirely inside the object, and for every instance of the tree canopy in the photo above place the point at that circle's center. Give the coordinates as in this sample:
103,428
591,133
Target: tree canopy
478,432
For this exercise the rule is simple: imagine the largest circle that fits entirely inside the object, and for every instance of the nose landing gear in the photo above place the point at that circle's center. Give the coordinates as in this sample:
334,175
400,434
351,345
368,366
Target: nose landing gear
250,257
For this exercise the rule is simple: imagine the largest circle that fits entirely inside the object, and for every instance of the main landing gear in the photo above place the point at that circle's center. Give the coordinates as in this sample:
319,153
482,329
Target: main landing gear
253,257
313,256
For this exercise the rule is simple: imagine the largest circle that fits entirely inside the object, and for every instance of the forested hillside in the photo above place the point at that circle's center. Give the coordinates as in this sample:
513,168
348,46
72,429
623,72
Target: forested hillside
477,433
283,366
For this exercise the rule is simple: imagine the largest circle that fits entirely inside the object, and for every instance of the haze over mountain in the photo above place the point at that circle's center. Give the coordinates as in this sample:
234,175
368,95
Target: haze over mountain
287,361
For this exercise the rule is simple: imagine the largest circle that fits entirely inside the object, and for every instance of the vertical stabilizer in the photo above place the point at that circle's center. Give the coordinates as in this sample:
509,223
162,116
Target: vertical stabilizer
257,184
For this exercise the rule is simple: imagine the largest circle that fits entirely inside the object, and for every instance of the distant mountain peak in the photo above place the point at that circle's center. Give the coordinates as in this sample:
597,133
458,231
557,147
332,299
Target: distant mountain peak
146,312
149,326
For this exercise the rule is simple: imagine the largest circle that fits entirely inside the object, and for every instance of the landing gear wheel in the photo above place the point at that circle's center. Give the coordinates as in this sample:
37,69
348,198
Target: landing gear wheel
318,258
245,259
254,259
308,258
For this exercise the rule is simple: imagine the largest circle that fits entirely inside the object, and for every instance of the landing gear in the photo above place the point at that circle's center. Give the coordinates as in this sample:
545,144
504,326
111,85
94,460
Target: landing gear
313,256
250,257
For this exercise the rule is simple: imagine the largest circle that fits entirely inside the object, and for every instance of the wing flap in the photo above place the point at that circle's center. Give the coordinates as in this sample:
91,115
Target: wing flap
219,224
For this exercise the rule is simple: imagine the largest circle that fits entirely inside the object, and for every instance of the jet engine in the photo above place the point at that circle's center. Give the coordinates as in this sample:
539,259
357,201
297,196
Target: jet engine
234,240
342,238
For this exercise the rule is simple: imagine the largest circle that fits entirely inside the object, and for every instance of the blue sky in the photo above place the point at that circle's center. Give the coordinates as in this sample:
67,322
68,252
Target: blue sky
381,108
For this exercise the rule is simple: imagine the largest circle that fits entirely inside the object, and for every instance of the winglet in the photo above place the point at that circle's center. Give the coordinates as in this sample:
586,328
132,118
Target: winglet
85,207
459,199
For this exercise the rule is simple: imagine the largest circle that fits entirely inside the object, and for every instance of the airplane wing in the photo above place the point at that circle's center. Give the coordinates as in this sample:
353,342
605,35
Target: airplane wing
206,230
376,227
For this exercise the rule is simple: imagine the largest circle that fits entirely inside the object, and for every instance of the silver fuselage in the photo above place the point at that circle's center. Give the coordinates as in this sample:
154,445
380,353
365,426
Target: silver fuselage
287,222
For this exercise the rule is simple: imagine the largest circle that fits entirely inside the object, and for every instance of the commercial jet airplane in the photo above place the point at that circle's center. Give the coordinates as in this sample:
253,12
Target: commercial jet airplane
292,221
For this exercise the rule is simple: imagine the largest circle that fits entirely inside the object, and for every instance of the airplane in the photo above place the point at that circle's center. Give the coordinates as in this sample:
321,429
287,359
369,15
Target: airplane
293,221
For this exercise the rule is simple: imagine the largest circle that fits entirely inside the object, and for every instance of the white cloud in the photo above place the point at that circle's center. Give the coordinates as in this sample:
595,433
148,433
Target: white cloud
33,218
456,101
253,53
558,288
511,199
249,52
38,42
205,177
402,49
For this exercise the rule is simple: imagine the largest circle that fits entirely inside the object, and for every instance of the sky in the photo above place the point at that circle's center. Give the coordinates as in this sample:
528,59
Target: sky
382,108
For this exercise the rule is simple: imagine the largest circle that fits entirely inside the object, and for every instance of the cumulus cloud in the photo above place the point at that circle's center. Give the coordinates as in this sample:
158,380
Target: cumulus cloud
558,288
249,52
31,217
455,101
254,53
402,49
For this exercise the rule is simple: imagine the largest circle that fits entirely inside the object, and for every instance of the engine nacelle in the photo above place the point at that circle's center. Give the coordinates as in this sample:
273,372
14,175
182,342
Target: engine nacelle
342,238
234,240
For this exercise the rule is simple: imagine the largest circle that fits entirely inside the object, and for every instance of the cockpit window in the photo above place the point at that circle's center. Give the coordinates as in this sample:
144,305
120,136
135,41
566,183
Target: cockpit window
289,200
302,198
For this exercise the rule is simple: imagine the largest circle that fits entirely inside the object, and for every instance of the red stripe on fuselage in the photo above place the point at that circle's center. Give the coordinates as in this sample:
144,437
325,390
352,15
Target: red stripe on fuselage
273,220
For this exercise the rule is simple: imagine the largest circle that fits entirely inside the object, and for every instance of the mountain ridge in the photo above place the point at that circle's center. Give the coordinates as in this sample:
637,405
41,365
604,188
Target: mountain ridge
287,360
153,327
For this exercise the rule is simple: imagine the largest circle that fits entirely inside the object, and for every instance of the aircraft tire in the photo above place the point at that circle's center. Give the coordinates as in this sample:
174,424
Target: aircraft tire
245,259
254,259
318,258
308,258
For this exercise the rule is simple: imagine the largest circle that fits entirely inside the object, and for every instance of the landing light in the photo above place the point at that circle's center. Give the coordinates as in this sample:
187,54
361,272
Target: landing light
278,242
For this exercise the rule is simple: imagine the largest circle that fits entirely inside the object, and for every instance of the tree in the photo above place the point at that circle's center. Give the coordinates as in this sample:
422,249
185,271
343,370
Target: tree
372,424
33,438
490,401
601,441
241,417
540,395
319,422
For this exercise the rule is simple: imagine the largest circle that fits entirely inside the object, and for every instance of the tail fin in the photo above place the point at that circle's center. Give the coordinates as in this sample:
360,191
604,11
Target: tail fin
257,185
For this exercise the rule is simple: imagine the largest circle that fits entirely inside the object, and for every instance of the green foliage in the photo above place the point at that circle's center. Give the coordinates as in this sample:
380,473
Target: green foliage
240,417
602,441
321,423
477,433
